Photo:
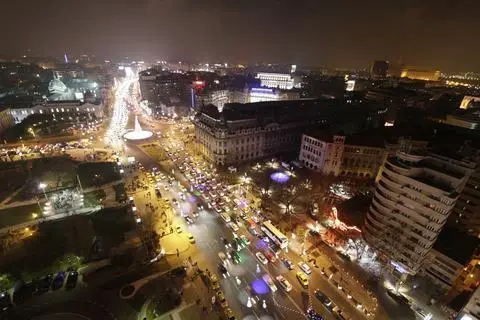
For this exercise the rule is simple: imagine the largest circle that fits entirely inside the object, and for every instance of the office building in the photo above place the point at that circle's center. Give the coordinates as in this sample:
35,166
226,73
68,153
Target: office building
246,132
414,196
379,69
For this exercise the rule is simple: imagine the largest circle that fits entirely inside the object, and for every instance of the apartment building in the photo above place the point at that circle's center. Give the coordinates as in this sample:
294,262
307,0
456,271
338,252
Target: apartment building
414,196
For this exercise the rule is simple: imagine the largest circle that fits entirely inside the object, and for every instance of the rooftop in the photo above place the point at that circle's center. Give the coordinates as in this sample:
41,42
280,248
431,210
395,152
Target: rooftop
456,244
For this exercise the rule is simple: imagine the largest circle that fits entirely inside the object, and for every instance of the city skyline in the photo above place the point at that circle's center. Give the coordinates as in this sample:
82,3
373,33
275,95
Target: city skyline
343,34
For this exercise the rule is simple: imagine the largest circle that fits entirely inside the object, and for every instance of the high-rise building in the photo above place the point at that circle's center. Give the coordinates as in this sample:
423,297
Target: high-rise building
414,196
466,214
379,69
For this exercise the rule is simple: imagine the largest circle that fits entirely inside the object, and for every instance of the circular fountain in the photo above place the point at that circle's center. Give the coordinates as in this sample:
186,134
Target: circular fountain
137,133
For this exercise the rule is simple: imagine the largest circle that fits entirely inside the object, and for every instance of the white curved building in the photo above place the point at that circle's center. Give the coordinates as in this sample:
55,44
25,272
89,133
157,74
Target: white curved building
414,196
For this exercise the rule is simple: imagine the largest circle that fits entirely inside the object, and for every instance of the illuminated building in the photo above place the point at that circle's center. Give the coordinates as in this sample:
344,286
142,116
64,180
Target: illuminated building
6,119
245,132
221,97
356,156
469,102
67,110
278,80
447,261
379,69
414,196
322,152
420,74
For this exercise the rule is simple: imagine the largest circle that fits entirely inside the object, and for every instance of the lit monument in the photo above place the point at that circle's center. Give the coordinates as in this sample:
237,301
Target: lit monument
137,133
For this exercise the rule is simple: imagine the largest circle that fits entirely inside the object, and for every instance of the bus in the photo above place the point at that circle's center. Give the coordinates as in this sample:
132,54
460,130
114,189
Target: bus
274,234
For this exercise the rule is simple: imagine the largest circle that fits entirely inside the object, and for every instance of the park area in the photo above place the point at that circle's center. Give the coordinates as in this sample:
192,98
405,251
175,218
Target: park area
94,174
154,151
52,246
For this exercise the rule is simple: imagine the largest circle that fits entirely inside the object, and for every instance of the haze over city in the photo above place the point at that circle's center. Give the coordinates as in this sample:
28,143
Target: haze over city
345,34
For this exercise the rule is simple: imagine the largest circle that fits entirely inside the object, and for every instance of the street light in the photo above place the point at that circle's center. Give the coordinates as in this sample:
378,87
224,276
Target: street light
42,186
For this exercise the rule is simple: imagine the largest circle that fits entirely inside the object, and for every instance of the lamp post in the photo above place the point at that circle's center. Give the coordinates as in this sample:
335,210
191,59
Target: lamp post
42,186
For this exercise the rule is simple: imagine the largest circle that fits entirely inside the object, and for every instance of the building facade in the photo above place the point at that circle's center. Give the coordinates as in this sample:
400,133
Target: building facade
68,109
246,132
6,119
353,156
322,153
466,214
414,196
278,80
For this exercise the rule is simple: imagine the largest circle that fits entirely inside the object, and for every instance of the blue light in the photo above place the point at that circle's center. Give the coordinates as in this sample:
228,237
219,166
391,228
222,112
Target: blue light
262,90
280,177
260,287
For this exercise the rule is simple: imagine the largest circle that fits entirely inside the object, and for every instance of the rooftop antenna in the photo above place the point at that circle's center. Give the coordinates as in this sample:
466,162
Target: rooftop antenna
65,57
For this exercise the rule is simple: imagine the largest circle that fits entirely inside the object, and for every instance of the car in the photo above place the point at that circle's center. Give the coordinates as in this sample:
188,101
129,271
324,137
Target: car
284,283
72,279
5,302
398,297
236,257
57,282
322,297
313,315
189,220
261,258
229,314
221,299
245,239
190,237
195,214
223,270
302,278
233,226
304,267
270,256
288,263
178,229
223,257
214,281
269,282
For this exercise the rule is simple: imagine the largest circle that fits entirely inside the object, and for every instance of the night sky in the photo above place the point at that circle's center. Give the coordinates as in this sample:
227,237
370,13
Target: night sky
342,33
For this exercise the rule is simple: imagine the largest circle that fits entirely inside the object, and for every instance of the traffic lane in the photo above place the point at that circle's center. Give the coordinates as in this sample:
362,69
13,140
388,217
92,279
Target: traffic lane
246,271
319,281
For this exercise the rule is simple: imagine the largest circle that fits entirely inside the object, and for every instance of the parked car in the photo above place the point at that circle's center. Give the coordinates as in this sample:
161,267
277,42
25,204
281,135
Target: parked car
72,279
57,282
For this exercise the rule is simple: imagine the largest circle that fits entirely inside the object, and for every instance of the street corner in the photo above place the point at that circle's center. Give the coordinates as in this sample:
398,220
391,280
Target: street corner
175,243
